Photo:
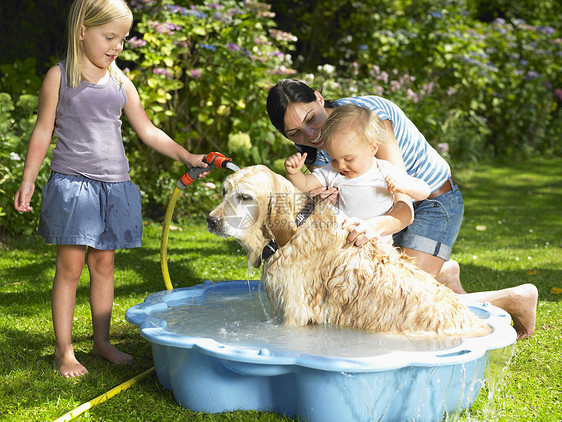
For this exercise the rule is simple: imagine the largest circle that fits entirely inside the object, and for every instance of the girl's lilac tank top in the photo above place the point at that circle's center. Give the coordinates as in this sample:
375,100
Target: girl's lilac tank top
88,127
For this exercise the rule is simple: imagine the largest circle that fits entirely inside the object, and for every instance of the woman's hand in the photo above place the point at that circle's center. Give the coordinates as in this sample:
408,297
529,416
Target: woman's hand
362,231
326,194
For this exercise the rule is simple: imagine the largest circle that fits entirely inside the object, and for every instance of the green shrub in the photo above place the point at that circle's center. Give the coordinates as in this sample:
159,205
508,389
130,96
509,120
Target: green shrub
202,73
476,85
496,83
16,124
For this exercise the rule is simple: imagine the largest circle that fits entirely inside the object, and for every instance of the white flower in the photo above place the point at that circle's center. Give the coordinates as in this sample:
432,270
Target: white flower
15,156
238,141
328,68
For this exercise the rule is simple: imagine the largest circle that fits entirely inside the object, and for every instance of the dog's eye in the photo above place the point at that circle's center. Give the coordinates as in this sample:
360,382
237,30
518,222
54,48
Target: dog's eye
243,197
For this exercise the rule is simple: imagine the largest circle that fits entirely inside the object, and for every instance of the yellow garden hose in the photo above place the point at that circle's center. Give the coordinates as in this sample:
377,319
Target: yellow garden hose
105,396
215,159
164,241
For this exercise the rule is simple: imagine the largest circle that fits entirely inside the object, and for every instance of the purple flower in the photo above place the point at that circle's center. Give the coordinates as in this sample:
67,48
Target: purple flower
141,4
277,54
412,95
282,36
443,147
262,41
135,42
532,75
233,47
162,71
177,9
558,94
547,29
195,73
383,76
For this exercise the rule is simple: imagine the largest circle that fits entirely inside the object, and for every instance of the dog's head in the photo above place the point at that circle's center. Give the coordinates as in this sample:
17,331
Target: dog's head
257,206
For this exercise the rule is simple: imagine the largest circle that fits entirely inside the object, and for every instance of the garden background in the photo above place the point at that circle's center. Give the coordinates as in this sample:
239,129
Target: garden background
481,79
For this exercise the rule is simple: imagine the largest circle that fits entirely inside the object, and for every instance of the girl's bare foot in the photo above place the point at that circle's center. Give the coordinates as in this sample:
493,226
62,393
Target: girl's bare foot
450,276
67,365
109,352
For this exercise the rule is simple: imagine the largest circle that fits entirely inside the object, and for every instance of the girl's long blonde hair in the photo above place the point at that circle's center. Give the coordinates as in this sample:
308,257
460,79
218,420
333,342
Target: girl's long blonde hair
91,13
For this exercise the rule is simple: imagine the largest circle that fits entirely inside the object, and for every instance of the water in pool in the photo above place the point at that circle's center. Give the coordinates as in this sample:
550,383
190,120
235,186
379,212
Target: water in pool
247,320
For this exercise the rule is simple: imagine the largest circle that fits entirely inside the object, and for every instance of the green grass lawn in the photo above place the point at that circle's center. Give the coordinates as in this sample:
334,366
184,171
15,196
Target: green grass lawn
511,235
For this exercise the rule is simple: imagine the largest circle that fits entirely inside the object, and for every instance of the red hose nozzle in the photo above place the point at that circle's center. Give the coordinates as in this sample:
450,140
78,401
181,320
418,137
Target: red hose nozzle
215,159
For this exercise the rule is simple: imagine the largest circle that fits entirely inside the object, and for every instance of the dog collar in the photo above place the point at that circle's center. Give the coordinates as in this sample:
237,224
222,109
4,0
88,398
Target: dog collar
301,217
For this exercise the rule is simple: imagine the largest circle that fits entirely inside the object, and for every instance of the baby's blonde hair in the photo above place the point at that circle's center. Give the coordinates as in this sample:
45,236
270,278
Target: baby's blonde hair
350,116
91,13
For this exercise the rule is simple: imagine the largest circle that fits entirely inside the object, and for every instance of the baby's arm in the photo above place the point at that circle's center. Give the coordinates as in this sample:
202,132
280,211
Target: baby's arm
303,182
412,186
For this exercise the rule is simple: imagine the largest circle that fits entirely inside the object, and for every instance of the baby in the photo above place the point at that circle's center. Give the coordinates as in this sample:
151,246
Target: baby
366,184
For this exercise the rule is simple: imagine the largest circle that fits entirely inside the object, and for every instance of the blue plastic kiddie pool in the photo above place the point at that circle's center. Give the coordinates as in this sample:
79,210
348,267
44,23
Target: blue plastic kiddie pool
218,347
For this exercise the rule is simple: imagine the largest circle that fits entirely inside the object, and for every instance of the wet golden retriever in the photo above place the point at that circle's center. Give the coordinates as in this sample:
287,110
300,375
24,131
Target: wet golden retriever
315,277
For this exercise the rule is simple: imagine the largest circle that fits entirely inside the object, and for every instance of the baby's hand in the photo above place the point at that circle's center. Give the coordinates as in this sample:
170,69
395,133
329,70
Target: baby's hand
294,163
395,185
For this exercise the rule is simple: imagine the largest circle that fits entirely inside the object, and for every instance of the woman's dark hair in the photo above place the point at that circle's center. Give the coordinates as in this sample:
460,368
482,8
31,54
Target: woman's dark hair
288,91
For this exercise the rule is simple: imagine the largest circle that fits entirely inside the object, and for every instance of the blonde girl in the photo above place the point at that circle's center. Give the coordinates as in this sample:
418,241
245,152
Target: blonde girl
89,206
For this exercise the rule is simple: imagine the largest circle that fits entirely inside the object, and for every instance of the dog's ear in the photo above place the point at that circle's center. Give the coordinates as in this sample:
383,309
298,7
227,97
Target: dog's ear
281,213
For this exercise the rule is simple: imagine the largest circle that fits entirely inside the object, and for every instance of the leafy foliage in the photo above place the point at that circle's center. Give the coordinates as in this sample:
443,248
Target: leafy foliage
203,73
483,77
479,79
18,112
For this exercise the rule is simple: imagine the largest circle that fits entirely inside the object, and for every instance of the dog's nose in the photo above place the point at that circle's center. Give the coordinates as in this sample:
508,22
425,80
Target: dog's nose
212,222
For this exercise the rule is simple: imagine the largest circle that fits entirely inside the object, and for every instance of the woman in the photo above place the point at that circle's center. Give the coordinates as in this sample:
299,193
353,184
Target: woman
425,231
299,112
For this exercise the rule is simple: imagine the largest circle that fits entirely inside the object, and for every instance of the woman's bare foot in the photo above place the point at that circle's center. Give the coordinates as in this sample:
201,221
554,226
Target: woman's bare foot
67,365
450,276
109,352
519,301
523,309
